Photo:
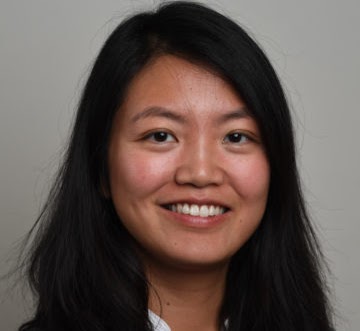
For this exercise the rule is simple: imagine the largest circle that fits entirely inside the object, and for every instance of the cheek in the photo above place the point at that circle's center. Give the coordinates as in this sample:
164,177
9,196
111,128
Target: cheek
139,173
251,177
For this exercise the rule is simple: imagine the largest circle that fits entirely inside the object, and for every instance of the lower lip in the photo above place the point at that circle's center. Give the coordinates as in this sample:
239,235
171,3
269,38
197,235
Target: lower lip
197,221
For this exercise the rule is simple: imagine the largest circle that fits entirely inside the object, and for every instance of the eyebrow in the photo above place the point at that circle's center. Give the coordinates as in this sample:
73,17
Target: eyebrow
157,111
235,114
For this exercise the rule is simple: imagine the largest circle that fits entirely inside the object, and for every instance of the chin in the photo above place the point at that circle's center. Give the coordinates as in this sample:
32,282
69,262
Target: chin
190,259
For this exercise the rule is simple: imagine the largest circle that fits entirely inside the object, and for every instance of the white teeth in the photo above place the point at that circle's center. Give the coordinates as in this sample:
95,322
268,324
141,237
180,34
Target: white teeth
185,209
196,210
179,208
204,211
212,210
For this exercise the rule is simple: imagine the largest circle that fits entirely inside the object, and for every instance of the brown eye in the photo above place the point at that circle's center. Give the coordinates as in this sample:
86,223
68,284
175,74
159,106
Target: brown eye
160,137
236,138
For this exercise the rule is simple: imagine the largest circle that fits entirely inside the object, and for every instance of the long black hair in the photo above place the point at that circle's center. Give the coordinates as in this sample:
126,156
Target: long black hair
83,268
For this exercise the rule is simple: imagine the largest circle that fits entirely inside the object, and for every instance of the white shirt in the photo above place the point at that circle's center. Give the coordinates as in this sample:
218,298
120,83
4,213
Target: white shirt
158,323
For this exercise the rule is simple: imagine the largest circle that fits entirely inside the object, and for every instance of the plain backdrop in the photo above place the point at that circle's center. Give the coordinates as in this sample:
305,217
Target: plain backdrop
46,51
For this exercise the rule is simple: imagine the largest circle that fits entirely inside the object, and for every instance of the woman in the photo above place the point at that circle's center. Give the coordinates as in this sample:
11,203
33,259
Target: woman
178,204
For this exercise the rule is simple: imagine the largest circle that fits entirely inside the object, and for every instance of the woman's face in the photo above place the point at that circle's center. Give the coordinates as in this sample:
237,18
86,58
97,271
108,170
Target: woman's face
188,173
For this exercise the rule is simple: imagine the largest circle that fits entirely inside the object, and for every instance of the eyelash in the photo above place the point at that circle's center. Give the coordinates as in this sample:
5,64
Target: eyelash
151,136
238,134
161,134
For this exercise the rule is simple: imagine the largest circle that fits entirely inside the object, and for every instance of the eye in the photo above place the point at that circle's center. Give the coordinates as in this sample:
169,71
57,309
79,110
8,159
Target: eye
236,138
160,137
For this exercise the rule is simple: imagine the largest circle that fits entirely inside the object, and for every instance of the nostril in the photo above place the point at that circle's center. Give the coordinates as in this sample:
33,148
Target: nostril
198,176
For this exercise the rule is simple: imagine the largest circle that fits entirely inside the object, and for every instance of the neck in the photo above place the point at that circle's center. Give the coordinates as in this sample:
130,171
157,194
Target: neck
187,299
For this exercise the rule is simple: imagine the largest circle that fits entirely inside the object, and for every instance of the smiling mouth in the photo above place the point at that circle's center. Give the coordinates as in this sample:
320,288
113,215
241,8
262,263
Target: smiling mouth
196,210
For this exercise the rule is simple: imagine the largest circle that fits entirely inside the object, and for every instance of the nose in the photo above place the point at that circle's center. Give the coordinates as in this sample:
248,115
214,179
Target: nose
200,166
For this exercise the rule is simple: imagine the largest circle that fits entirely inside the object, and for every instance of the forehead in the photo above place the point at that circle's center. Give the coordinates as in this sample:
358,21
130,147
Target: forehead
176,84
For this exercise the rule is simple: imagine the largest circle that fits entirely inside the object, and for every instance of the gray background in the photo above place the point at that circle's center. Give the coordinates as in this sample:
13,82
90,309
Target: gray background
47,47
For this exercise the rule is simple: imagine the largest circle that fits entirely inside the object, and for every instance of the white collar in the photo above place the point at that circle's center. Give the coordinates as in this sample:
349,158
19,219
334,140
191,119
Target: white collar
157,322
160,325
